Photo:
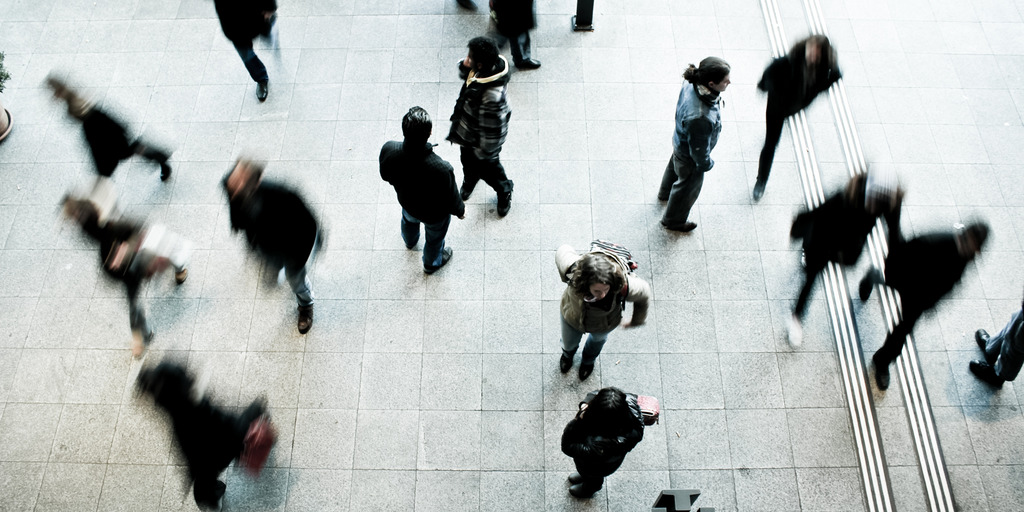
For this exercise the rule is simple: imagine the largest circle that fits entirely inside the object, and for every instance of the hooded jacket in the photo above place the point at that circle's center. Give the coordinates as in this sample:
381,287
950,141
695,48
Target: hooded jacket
243,20
480,118
424,182
587,317
698,124
596,452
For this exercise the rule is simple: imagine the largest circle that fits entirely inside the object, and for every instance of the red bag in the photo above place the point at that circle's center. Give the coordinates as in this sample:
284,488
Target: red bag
258,441
650,408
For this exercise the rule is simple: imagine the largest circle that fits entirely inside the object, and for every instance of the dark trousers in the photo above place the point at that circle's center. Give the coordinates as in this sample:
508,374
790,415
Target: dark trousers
518,43
680,185
893,345
773,133
253,64
475,168
811,271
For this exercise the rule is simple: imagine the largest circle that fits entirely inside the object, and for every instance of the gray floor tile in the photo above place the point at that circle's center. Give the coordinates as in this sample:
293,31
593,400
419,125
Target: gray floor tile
21,482
830,489
71,487
821,438
141,436
696,440
513,382
330,381
449,440
759,438
324,438
635,490
132,487
757,489
318,489
390,381
751,380
386,440
508,440
383,490
448,490
28,431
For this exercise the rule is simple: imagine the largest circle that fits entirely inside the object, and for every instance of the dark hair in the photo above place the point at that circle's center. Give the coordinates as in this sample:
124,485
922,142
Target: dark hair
823,44
416,125
712,69
978,232
609,412
596,268
484,53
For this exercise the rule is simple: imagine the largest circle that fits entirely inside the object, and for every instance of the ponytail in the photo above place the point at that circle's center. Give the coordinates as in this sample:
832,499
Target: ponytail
712,69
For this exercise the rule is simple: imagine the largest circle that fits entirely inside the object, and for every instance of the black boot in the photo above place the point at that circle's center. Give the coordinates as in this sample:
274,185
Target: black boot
872,278
882,376
986,373
466,190
565,362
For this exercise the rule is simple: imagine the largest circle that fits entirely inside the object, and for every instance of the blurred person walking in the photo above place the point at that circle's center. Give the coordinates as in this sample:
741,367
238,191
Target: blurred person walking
923,270
426,188
792,82
107,137
837,230
480,120
515,19
1004,352
278,226
243,21
604,430
698,124
599,285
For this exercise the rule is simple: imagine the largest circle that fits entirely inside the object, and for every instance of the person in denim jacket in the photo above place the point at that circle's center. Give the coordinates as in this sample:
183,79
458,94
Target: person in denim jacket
697,127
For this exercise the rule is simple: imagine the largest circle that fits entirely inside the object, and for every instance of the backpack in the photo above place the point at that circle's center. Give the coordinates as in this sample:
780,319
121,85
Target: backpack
617,251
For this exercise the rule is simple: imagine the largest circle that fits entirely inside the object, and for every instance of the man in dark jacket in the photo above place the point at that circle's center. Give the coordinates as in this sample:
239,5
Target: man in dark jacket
792,82
107,138
515,19
278,226
426,188
922,270
480,120
245,20
1004,352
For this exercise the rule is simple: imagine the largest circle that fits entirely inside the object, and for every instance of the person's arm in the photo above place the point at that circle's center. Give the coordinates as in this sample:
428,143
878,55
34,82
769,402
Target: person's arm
576,443
699,136
770,79
458,205
565,256
639,294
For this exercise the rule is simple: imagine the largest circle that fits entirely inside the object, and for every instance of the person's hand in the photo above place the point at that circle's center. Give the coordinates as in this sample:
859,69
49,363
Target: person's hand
461,217
467,62
267,15
626,324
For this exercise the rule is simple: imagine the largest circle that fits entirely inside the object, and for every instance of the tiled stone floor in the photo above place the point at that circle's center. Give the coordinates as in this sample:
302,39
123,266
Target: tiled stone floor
434,393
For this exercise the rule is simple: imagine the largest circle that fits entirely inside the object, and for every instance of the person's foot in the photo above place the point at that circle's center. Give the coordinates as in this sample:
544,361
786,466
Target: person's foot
305,319
662,197
504,203
140,341
446,256
683,228
180,277
868,283
165,171
882,376
794,332
586,370
565,363
575,478
981,337
262,89
466,190
759,189
528,64
467,4
582,491
986,373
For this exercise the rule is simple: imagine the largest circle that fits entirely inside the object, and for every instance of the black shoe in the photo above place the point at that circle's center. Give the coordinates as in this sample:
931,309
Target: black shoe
685,228
565,363
467,4
867,284
981,336
165,171
575,478
262,90
446,256
528,64
586,370
882,376
305,319
759,189
466,190
662,198
582,491
504,203
986,373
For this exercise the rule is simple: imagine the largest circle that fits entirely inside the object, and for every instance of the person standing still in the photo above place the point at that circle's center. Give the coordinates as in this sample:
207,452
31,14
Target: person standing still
515,19
480,120
426,188
1004,352
245,20
698,124
604,430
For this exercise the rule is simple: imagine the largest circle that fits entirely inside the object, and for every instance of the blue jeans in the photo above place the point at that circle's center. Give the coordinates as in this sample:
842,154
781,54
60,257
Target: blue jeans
1006,349
571,341
253,64
433,246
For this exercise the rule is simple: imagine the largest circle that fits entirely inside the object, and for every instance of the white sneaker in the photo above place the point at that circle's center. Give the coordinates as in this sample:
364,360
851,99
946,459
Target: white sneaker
794,332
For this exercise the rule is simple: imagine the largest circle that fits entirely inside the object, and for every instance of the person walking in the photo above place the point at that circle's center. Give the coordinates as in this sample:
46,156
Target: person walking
922,270
278,226
792,82
107,137
480,120
604,430
1004,352
245,20
426,188
599,285
515,19
837,230
698,124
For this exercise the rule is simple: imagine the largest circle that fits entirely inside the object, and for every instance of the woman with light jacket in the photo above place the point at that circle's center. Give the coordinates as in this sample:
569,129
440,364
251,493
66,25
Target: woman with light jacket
604,430
599,285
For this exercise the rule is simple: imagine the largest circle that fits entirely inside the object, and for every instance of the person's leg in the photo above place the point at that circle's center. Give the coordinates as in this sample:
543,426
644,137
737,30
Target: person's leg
154,155
570,338
433,246
1009,359
298,279
668,178
592,349
256,69
142,333
894,343
410,229
773,133
470,171
811,271
208,491
684,191
493,173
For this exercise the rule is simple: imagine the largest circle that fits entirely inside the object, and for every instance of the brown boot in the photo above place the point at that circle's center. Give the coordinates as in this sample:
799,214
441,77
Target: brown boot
305,319
180,277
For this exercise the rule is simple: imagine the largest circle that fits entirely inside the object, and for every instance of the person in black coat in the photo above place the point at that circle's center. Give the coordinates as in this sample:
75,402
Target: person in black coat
245,20
278,226
515,19
922,270
792,82
209,437
604,430
107,137
426,188
837,229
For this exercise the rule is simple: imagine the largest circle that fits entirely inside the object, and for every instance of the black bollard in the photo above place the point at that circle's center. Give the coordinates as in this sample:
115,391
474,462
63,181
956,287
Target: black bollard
583,20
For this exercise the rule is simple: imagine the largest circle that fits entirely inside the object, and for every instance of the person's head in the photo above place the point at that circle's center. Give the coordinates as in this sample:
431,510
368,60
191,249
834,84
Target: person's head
483,53
78,106
816,48
416,125
596,276
243,179
971,238
713,73
79,210
608,411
